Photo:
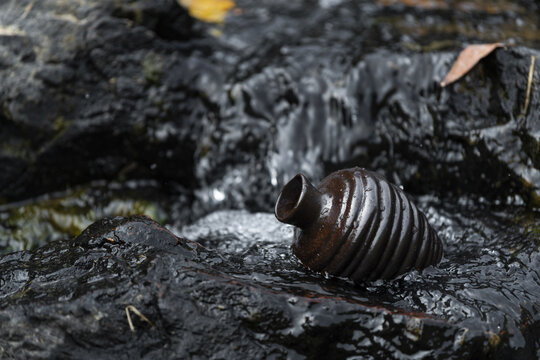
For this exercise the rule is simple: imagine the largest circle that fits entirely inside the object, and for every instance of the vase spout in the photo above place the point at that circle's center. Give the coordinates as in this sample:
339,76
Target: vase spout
299,203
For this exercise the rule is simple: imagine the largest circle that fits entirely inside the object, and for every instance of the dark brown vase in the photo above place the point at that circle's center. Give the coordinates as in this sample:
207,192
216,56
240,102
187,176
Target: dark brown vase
358,225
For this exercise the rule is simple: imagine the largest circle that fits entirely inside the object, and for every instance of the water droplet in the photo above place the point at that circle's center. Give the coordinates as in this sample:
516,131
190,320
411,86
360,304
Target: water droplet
218,195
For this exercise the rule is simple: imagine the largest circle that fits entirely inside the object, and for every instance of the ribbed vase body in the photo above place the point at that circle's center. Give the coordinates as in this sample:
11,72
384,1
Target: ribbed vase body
365,228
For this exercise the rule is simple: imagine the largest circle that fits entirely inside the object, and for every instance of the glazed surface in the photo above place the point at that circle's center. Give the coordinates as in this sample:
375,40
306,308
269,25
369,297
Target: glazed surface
368,229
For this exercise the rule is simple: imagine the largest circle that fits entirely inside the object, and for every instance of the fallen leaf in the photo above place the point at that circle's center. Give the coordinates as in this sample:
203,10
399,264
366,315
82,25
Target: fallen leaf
467,59
468,6
424,4
213,11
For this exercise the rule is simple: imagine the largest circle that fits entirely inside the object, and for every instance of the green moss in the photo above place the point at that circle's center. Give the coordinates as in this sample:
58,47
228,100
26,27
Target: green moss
205,150
528,220
449,28
153,68
17,149
533,230
24,226
530,194
494,340
437,45
60,124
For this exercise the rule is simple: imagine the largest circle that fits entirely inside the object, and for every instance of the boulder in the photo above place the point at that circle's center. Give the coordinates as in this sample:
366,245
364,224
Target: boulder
238,292
131,90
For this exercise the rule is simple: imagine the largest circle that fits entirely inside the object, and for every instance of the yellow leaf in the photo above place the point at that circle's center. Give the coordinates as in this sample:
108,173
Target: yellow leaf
213,11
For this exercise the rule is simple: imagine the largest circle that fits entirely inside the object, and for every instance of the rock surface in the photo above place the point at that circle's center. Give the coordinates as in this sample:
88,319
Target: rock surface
133,97
79,98
116,90
240,293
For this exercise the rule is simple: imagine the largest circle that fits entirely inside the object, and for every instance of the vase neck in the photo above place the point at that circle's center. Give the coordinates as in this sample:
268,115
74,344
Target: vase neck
299,203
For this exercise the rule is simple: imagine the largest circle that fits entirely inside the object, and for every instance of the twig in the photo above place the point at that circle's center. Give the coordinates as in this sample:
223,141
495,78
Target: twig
28,8
529,86
138,313
462,337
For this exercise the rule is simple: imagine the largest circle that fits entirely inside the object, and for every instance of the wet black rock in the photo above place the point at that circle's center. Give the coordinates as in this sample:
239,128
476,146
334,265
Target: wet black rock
334,91
82,95
138,90
116,90
241,293
468,138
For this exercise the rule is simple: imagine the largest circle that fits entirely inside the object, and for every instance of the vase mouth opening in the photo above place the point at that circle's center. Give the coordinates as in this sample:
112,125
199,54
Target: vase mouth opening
291,195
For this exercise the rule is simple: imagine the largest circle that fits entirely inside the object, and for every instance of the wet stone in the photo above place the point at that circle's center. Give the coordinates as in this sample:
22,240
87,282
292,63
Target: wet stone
105,101
233,289
141,90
